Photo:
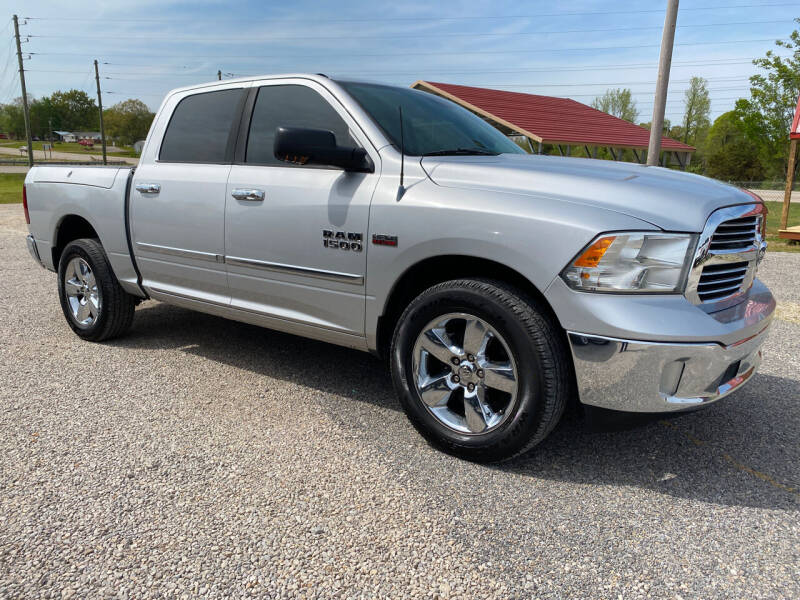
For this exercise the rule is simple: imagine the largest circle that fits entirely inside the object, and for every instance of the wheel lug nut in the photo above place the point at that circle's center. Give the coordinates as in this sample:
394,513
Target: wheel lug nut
454,360
471,358
471,387
456,378
480,373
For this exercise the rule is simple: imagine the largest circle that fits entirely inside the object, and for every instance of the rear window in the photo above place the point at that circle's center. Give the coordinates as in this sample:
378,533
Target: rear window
200,128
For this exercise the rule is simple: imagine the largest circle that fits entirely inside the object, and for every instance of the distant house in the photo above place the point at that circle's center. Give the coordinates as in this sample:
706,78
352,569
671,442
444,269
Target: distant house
66,136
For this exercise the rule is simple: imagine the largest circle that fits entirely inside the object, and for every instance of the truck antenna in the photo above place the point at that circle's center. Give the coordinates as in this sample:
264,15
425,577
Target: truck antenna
402,190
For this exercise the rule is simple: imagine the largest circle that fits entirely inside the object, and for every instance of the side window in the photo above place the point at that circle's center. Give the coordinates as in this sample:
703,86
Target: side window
289,106
200,127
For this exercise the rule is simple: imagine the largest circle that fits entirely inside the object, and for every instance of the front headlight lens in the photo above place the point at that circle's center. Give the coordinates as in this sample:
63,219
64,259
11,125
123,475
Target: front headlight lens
632,262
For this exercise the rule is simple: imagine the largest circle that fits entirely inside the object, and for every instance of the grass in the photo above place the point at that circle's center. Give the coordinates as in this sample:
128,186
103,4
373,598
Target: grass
11,187
777,244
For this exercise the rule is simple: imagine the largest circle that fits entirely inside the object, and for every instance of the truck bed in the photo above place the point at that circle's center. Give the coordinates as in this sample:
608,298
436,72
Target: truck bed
61,196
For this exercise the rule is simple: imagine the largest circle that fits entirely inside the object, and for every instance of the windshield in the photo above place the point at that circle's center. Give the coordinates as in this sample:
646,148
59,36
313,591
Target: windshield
431,125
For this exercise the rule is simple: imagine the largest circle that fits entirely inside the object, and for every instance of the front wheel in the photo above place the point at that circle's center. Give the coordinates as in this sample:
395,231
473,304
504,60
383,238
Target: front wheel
94,304
481,370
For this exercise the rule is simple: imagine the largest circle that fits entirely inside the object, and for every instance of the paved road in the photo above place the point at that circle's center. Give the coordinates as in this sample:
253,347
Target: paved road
201,457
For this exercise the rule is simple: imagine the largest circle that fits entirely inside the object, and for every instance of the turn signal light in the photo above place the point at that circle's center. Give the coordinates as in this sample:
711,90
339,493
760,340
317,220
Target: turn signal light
593,254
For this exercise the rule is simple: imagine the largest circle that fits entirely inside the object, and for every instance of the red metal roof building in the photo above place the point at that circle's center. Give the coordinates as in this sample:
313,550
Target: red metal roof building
561,122
794,133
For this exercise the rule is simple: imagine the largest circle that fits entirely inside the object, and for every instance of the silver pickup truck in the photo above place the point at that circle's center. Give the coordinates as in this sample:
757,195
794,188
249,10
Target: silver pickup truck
499,285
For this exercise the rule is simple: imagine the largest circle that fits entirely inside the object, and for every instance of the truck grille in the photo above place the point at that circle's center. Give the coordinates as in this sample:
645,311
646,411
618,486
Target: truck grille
737,234
718,281
727,256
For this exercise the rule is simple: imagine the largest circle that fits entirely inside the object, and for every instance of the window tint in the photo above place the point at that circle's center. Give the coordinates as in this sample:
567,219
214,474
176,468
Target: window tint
290,106
199,128
430,123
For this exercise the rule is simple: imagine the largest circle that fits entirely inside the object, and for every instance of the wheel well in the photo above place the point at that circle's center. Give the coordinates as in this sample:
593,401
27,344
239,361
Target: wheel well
72,227
437,269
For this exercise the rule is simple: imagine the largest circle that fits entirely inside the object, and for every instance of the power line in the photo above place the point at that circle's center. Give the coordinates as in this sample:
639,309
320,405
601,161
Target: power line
424,53
383,18
268,38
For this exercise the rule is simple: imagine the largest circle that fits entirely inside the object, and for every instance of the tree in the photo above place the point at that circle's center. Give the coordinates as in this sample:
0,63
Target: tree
767,115
12,119
72,110
128,121
618,102
698,107
728,153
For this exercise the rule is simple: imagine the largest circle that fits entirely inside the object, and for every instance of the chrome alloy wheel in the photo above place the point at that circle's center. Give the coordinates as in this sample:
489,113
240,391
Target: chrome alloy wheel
80,287
465,373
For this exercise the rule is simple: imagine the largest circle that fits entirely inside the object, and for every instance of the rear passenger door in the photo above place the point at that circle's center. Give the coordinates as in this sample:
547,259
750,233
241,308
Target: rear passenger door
178,197
298,253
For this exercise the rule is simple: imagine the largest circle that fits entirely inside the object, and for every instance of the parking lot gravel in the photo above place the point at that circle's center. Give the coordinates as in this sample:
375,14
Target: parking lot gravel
199,457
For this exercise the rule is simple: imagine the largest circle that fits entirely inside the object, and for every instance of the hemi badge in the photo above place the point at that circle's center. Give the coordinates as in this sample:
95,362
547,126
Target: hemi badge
384,240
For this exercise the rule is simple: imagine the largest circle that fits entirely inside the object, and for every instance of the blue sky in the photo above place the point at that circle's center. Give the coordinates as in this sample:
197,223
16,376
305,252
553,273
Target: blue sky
576,49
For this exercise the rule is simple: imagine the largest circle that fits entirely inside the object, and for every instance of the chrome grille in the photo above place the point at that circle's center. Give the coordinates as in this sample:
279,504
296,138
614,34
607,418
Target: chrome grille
718,281
727,257
736,234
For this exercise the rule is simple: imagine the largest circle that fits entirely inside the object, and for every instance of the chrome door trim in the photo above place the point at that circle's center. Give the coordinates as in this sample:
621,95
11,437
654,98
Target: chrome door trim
253,195
293,270
194,254
148,188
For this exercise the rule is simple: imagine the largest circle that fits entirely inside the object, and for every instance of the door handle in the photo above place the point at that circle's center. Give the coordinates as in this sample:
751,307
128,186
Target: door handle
248,194
148,188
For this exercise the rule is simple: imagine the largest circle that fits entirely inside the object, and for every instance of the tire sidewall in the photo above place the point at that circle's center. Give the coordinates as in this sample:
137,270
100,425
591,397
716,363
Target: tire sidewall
515,433
78,249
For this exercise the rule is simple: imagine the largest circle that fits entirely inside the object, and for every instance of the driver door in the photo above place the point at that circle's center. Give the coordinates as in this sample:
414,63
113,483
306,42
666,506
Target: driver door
281,219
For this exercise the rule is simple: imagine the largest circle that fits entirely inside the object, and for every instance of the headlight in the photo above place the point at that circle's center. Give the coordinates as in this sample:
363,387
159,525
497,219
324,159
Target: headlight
632,262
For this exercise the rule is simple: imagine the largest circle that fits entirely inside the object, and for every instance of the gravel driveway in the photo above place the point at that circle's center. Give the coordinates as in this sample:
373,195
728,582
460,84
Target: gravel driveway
199,457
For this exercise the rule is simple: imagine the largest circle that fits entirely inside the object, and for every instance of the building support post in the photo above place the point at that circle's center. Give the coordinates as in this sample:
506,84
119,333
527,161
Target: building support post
787,195
664,63
540,147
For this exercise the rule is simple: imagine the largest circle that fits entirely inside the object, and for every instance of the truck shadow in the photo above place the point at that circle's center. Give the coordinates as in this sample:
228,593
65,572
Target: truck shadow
742,451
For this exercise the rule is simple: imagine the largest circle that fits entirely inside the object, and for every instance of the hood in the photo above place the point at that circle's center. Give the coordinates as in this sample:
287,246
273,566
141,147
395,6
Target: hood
671,200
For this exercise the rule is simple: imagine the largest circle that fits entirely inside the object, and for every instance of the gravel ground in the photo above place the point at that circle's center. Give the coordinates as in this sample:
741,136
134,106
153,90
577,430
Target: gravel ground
202,457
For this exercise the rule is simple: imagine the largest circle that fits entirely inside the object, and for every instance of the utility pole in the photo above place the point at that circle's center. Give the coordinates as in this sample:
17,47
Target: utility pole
219,75
100,105
664,63
24,94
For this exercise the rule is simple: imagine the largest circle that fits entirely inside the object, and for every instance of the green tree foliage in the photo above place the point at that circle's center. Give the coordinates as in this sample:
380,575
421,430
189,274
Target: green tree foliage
728,152
12,120
767,114
698,108
72,110
618,102
127,121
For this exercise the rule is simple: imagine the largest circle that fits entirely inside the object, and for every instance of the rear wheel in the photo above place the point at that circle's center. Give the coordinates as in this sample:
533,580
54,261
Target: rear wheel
94,304
481,370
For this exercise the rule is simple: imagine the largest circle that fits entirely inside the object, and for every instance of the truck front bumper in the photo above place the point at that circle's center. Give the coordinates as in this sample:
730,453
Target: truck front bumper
640,374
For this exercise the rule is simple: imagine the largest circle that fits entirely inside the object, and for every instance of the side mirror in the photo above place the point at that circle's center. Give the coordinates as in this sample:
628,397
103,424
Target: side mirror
318,147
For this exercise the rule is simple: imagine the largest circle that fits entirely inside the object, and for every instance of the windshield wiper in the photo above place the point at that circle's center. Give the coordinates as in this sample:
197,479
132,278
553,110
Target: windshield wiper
462,152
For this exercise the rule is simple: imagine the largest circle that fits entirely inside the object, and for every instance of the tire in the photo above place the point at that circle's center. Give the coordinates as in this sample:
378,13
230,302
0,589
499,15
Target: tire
520,375
94,304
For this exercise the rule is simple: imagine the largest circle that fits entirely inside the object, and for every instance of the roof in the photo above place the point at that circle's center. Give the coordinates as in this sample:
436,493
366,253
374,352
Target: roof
794,132
550,120
63,132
